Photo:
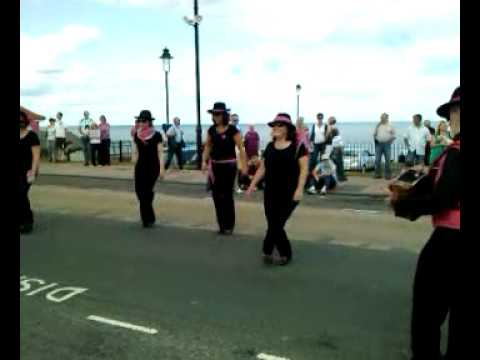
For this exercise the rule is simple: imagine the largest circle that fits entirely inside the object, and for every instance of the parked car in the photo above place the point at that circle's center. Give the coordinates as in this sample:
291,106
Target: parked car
358,160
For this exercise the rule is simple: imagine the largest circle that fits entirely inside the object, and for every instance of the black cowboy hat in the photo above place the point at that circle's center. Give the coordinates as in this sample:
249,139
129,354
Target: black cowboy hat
145,115
218,107
444,110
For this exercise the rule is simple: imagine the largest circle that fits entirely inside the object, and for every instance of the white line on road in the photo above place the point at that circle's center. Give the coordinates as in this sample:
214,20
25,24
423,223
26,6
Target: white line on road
371,212
263,356
122,324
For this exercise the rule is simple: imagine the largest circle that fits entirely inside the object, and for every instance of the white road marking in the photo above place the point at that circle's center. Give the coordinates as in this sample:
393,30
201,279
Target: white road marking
263,356
360,211
125,325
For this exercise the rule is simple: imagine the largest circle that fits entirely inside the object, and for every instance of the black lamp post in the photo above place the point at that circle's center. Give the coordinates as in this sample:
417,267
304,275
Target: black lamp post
298,88
195,22
166,57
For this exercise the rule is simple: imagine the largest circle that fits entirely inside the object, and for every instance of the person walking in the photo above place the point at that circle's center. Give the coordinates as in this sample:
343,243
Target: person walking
440,270
416,140
95,142
83,129
318,137
148,159
52,156
175,143
219,159
60,137
440,140
284,167
28,170
104,153
428,145
384,136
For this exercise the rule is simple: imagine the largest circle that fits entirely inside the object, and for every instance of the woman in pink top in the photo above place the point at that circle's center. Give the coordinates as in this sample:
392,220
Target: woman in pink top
104,154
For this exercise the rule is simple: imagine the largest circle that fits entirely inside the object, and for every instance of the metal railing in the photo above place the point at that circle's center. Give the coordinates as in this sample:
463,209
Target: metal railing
361,157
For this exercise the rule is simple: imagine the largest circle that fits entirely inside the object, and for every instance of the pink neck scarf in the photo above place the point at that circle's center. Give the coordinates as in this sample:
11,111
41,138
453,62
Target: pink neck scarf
146,133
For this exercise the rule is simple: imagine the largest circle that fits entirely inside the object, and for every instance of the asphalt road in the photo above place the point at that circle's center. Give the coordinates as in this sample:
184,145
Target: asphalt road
334,201
208,297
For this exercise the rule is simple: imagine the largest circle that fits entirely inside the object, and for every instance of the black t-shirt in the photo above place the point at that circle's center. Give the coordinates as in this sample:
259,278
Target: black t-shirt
282,169
223,144
26,144
148,150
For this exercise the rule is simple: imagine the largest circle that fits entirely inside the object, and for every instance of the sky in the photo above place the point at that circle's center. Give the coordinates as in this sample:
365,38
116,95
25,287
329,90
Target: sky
353,59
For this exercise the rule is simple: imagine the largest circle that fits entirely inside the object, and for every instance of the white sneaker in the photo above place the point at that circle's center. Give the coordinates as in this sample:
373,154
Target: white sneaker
312,190
323,191
239,191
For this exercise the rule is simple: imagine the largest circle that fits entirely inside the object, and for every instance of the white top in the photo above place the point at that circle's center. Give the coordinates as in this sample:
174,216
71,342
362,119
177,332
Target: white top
319,134
94,135
60,130
175,131
417,138
385,133
337,142
51,133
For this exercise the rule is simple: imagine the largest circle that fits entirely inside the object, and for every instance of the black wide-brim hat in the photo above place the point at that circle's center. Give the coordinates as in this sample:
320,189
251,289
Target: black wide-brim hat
145,115
444,110
218,107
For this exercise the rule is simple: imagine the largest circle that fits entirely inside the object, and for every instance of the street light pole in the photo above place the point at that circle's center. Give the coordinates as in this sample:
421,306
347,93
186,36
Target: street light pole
166,57
166,91
298,88
197,75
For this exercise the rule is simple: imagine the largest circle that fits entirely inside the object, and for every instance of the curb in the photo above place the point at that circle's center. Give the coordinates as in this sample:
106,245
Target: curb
338,193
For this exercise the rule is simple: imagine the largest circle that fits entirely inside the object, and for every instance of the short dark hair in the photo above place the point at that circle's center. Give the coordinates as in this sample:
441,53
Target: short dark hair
51,120
59,113
418,116
320,115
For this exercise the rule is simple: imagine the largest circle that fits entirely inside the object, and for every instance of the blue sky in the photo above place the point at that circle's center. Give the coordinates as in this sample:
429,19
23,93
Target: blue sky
354,59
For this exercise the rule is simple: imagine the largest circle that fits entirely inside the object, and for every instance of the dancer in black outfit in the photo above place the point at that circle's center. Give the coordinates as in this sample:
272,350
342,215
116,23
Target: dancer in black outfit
440,270
220,160
149,165
285,169
28,169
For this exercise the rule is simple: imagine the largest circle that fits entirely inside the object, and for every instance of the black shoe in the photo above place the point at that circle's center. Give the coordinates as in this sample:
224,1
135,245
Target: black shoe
26,228
283,260
148,224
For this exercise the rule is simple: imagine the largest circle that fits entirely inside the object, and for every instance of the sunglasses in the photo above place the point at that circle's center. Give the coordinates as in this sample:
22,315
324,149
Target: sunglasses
278,125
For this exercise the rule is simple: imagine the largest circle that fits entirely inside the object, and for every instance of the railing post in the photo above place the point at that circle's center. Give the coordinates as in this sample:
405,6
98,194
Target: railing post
120,150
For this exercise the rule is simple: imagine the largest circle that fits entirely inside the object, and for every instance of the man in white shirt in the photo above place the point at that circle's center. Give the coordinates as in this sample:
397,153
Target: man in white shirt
60,137
416,139
318,140
83,129
175,143
384,136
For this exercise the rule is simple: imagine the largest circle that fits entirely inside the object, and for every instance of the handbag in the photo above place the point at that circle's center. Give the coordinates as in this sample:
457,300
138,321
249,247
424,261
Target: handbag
409,187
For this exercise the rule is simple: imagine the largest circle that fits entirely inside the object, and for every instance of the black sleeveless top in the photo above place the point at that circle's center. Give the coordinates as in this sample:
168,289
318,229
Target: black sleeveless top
223,144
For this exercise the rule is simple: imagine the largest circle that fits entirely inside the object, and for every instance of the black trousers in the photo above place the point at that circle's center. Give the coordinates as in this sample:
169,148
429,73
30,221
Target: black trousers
175,150
437,292
145,180
278,210
95,150
104,153
222,193
26,214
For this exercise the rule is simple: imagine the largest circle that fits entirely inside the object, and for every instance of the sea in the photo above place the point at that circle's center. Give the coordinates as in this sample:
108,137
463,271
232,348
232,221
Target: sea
352,132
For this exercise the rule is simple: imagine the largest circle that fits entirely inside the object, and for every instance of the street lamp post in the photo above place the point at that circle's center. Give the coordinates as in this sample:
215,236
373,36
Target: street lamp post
166,57
298,88
195,22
